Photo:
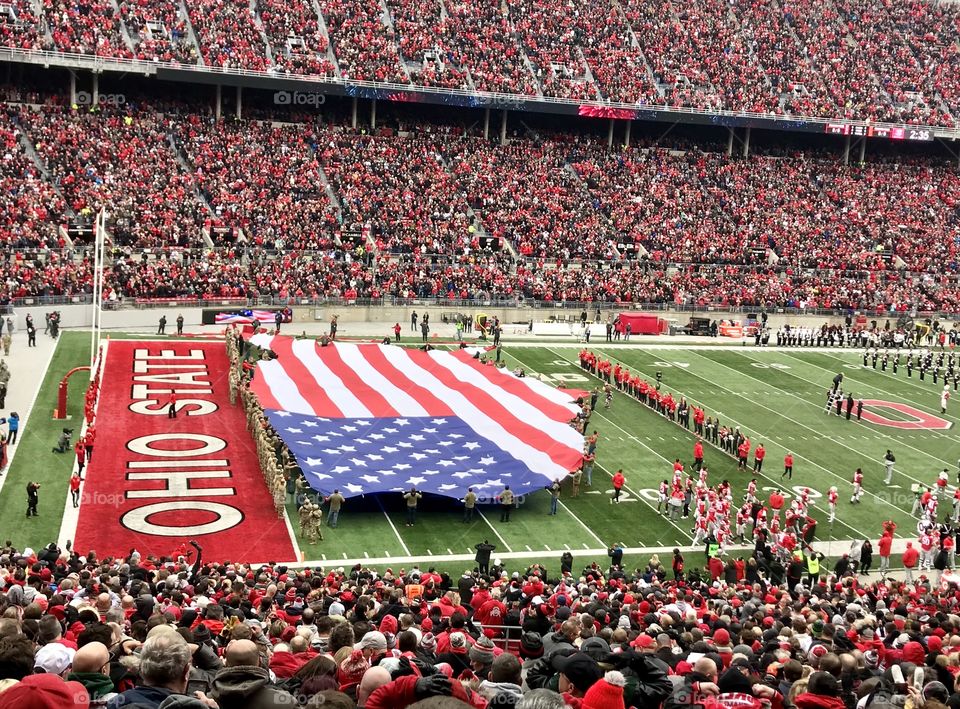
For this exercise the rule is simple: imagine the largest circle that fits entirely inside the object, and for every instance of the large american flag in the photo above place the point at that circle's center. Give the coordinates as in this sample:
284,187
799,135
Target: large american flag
246,316
368,418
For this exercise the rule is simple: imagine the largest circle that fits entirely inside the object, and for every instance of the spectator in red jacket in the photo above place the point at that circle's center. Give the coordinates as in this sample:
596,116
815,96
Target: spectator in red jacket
910,558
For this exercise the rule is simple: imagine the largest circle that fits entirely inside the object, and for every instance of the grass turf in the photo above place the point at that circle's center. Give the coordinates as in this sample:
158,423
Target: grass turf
776,397
34,461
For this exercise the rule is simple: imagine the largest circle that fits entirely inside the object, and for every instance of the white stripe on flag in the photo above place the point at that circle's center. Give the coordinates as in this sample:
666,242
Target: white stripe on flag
282,387
516,405
547,392
538,461
344,399
262,340
401,401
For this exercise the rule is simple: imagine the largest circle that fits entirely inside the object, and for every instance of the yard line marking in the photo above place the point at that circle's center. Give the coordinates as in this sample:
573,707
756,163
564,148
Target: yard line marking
547,548
567,547
502,540
746,428
344,555
880,435
449,550
528,547
324,556
580,521
390,522
429,552
797,423
366,555
387,553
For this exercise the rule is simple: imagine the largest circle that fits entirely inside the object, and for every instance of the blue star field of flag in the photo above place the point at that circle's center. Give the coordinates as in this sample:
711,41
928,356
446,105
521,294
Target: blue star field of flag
440,455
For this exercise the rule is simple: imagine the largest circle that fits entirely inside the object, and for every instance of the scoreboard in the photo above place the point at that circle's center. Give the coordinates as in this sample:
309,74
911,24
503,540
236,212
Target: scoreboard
862,130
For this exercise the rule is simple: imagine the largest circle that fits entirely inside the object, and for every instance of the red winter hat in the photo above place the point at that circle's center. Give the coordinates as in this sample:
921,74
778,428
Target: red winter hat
46,691
427,625
352,669
606,693
642,641
934,643
388,625
721,637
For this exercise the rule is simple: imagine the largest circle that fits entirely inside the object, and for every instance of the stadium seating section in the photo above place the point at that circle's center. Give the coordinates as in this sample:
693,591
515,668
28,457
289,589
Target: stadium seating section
858,59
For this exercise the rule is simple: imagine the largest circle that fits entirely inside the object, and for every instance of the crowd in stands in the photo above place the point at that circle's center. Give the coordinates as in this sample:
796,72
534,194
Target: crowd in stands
435,211
298,42
262,179
120,161
863,59
141,630
228,34
158,30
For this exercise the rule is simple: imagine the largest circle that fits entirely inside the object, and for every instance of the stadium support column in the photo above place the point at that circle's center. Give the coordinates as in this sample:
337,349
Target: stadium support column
239,102
846,151
746,143
610,135
73,88
730,135
218,106
353,114
503,128
373,114
486,124
626,137
96,90
863,150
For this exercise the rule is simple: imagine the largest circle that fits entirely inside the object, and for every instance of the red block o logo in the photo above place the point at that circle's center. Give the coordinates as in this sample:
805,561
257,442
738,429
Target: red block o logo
921,419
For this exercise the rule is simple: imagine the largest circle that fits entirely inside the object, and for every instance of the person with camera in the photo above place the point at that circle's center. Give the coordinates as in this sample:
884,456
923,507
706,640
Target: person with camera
33,498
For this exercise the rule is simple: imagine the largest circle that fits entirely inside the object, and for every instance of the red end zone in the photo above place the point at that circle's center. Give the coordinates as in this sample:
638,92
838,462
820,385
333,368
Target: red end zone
921,419
155,482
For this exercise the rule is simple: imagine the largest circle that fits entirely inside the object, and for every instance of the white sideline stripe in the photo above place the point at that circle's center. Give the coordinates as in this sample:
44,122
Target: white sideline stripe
71,514
390,522
898,546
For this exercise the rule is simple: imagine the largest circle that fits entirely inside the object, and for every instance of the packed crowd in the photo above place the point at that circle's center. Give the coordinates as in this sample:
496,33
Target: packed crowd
120,161
262,179
863,59
178,630
408,213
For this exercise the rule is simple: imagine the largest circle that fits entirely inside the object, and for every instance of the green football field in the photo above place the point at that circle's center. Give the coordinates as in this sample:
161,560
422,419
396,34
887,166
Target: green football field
776,397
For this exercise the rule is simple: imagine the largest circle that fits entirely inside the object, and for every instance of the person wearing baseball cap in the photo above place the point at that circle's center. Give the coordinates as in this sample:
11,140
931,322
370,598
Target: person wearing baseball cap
578,673
54,659
46,691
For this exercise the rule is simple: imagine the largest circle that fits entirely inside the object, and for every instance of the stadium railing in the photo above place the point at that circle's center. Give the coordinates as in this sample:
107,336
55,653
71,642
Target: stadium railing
503,101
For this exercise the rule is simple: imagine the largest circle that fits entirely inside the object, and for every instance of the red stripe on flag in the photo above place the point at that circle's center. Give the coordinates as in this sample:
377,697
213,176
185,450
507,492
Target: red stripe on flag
518,388
487,404
431,404
303,379
368,396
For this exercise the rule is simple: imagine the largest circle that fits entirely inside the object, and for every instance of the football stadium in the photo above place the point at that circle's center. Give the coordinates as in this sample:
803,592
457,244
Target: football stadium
593,354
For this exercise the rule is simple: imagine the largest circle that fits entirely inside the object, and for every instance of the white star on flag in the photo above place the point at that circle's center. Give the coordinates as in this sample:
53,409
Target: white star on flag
374,456
390,430
416,481
487,460
310,424
376,436
340,469
390,449
417,437
402,466
446,463
361,422
431,472
348,449
354,488
432,451
471,445
313,462
321,439
370,478
401,422
358,461
439,422
332,451
283,414
295,430
445,443
448,486
417,456
349,429
405,444
429,430
462,474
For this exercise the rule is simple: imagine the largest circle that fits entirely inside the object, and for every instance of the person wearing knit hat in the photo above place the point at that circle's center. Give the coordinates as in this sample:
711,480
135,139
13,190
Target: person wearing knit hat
352,669
46,691
531,646
607,693
481,656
